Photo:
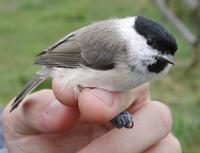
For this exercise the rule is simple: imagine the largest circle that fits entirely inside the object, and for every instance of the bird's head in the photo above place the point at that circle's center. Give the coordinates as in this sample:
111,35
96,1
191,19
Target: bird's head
151,48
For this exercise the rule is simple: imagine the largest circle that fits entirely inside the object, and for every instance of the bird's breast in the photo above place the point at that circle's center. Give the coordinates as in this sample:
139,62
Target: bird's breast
112,80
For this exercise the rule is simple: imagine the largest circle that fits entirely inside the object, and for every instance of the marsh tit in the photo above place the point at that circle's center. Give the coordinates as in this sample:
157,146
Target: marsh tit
115,55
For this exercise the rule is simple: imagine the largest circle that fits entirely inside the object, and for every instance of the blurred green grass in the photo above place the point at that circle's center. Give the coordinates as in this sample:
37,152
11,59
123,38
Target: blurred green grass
27,27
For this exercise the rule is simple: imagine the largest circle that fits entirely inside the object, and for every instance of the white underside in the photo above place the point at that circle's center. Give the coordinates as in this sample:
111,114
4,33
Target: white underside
119,79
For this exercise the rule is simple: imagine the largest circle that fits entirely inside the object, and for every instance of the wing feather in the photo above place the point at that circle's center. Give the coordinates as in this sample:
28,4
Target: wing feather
95,46
64,53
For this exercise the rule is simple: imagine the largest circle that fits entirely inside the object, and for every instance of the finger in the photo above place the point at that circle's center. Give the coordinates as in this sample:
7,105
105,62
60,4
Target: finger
152,123
63,93
100,106
41,112
168,144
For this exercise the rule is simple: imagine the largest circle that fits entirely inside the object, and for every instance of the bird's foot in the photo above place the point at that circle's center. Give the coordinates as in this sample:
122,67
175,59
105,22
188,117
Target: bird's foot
124,119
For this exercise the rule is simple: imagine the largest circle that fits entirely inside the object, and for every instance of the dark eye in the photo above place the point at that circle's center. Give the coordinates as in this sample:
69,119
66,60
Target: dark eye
149,41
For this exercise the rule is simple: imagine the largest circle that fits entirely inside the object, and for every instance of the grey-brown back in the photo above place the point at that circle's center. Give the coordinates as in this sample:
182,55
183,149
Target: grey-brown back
95,46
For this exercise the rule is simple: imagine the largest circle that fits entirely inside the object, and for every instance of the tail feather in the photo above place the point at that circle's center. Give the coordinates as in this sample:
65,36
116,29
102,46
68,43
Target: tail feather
30,86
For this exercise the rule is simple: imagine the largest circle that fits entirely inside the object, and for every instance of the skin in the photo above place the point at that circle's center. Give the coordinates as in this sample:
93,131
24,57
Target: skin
56,121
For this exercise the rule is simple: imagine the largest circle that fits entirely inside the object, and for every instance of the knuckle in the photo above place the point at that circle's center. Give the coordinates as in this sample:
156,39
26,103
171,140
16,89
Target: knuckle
164,117
44,91
40,92
5,114
172,143
175,145
6,119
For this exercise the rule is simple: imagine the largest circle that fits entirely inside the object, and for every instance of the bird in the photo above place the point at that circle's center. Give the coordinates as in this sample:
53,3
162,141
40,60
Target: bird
116,54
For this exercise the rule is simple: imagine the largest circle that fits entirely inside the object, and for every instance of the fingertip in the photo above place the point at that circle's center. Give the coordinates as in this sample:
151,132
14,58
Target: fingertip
64,94
165,115
98,105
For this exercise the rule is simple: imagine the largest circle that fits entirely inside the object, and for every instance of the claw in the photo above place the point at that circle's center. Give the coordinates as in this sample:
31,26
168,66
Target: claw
129,125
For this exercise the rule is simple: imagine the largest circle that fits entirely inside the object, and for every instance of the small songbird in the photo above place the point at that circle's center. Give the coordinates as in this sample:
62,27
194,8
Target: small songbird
115,55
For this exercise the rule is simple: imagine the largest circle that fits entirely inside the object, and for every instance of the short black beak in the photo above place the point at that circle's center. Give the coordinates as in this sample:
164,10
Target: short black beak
166,58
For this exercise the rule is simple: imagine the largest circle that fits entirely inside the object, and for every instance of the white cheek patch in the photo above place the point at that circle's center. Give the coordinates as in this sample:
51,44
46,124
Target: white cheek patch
140,54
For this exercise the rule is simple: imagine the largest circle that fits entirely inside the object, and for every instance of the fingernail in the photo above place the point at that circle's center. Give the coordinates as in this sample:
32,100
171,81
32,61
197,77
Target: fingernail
54,107
104,96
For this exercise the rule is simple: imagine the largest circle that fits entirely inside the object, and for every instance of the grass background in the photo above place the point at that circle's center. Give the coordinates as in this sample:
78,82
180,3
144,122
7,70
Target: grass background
29,26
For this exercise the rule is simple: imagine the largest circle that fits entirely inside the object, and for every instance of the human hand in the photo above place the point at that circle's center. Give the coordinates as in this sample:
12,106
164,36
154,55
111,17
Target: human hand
42,124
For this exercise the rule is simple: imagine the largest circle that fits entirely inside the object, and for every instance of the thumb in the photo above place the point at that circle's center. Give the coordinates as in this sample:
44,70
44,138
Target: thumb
40,112
98,105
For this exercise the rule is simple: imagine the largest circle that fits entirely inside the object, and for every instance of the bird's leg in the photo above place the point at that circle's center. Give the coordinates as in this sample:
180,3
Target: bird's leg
124,119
